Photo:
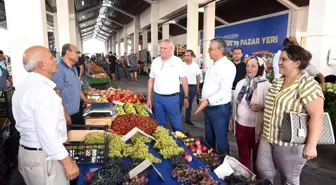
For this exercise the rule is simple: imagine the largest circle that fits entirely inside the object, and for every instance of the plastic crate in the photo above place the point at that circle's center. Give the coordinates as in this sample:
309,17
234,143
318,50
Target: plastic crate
83,153
212,162
6,103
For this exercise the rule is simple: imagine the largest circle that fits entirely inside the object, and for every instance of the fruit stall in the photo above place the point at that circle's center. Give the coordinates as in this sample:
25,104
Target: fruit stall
330,102
96,75
127,146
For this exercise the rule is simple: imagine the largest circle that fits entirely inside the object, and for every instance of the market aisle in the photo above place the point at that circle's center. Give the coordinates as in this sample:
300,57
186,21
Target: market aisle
318,171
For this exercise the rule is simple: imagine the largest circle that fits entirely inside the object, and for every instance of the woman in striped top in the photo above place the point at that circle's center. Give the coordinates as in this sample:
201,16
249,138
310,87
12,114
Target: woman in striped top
294,91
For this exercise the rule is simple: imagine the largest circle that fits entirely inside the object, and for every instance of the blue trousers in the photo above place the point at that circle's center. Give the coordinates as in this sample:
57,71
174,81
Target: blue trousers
192,94
168,106
216,127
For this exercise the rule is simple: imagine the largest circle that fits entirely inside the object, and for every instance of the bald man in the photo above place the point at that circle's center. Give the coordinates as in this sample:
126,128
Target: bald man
39,116
68,85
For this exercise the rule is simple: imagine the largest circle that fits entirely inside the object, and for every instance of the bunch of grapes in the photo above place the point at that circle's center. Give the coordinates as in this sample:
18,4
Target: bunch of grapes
200,176
177,160
95,138
116,146
137,180
129,108
140,137
139,150
120,109
166,144
141,109
113,172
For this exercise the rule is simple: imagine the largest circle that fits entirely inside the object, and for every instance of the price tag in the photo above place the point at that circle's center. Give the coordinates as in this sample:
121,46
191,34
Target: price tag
134,131
301,133
140,168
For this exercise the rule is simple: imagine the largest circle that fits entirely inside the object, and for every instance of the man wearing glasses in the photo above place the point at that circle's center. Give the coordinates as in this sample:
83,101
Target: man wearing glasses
216,96
68,85
165,75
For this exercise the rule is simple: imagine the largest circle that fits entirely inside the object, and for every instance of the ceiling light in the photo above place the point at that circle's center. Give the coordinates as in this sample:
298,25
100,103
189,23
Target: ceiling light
83,16
201,9
83,3
172,22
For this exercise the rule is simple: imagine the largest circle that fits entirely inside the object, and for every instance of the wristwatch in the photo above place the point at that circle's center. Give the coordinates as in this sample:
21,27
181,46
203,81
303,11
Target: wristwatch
208,102
186,97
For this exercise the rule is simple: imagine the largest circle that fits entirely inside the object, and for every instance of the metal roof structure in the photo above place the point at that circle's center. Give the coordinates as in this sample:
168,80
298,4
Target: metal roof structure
102,18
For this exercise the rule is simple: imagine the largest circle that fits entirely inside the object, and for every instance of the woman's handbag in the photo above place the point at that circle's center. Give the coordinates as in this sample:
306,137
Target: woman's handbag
294,129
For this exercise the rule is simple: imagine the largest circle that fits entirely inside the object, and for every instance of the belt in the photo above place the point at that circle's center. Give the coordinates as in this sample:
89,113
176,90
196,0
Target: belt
175,94
33,149
218,106
191,85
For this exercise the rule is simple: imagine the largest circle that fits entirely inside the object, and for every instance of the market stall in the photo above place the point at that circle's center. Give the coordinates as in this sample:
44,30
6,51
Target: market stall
133,145
96,76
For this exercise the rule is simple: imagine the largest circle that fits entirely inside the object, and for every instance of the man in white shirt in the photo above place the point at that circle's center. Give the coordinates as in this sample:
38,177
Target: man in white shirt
193,73
39,116
165,75
217,95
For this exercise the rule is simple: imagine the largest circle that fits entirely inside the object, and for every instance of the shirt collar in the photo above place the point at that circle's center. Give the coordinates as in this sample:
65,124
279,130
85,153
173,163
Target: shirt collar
66,65
43,78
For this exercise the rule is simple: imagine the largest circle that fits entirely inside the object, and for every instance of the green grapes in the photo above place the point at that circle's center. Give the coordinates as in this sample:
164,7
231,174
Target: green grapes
129,108
95,138
140,137
116,146
120,110
166,144
141,109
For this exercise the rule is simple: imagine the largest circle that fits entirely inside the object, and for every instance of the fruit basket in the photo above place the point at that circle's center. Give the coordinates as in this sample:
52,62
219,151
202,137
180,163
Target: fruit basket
202,150
91,152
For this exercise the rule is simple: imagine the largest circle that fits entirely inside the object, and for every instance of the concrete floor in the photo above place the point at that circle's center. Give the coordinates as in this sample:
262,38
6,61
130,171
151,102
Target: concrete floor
320,171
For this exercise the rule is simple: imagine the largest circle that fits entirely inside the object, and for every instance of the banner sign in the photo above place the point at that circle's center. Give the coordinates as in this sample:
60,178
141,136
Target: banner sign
263,35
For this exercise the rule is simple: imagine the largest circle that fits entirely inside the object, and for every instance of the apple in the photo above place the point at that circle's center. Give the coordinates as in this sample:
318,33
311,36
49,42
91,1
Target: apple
204,149
193,150
89,177
185,153
198,142
198,152
188,158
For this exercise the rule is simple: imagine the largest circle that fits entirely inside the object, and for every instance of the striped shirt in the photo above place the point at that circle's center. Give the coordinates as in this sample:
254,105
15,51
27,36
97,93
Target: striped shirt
293,98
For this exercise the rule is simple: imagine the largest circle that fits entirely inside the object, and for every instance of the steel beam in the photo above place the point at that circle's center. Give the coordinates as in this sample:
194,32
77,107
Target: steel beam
289,4
86,20
118,9
87,27
179,25
104,31
107,26
148,1
221,21
87,31
115,22
86,10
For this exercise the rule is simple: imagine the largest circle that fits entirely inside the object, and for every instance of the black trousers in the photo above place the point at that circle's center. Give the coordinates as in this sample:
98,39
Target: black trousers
77,119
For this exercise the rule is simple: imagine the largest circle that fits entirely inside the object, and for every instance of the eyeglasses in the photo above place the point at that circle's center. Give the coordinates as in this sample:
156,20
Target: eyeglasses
211,49
78,52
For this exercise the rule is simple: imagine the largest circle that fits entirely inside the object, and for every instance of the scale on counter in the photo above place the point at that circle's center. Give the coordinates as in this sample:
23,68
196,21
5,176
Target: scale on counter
104,107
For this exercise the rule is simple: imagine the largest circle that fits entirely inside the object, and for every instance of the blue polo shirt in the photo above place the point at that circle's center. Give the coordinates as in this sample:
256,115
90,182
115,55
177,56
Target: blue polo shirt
66,80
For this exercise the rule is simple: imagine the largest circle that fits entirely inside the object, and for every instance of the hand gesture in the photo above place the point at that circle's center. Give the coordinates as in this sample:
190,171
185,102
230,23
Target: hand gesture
186,103
204,104
149,103
309,152
257,108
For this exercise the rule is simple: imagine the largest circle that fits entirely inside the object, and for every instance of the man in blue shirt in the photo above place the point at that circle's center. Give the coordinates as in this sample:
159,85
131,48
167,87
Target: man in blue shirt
68,85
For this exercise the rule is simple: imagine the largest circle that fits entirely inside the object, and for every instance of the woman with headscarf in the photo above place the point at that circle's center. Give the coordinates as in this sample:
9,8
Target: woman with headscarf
248,110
